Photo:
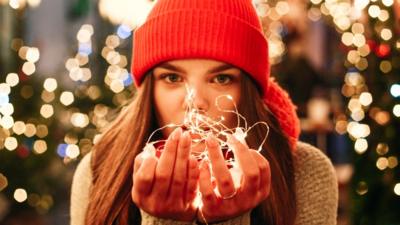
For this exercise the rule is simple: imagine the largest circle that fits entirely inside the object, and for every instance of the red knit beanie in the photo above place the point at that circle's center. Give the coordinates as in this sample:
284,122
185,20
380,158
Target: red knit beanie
223,30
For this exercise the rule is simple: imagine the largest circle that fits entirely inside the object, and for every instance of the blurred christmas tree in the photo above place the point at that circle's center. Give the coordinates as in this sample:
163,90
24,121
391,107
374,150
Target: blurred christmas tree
370,32
47,123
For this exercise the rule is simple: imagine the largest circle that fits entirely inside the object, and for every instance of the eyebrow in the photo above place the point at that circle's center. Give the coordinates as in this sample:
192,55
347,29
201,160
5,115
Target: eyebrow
179,69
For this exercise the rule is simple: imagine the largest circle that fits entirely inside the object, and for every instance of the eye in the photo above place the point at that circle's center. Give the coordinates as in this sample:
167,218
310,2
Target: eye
222,79
171,77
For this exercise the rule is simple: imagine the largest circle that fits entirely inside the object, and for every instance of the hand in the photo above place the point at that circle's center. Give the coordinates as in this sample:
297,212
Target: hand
254,185
166,187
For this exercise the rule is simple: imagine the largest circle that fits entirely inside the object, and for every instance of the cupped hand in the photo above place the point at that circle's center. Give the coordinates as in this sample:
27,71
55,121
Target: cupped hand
166,187
230,201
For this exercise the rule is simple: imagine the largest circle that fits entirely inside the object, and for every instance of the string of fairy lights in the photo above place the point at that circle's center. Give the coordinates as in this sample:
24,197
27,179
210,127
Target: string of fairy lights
346,15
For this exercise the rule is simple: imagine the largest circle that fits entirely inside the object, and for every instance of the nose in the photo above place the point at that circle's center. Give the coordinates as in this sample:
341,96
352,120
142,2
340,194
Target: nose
197,99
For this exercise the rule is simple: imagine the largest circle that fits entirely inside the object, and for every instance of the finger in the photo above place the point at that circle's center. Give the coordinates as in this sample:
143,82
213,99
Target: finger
181,167
265,174
193,177
205,185
220,170
166,163
251,172
143,179
138,162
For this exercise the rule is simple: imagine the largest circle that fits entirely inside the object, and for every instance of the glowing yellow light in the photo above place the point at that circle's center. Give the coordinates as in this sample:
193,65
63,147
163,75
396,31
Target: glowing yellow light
385,66
22,52
397,189
347,38
7,122
32,55
71,138
112,41
361,145
383,15
67,98
382,148
28,68
85,33
358,115
46,110
342,22
358,130
100,110
359,40
123,62
42,131
19,127
340,126
79,120
386,34
382,117
7,109
82,59
382,163
76,74
11,143
20,195
12,79
86,74
357,28
30,130
365,98
362,64
362,188
72,64
93,92
353,56
388,3
374,11
396,110
72,151
364,50
398,44
17,4
39,147
34,3
262,9
5,89
354,104
392,162
117,86
50,84
3,182
282,7
113,57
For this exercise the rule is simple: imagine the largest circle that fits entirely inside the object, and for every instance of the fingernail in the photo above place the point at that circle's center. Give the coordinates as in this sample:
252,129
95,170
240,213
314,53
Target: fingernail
211,141
176,134
185,138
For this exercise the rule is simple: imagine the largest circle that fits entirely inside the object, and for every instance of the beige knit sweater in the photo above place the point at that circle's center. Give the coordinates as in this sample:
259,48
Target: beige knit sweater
316,183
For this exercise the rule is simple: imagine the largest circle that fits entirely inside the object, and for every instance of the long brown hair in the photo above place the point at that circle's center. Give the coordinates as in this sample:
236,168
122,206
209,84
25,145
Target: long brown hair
113,156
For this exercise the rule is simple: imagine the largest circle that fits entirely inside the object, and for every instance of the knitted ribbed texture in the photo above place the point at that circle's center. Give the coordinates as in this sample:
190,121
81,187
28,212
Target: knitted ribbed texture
316,191
224,30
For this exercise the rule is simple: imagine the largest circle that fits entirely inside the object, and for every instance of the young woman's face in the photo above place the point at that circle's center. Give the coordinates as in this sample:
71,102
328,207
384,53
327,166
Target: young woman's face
207,78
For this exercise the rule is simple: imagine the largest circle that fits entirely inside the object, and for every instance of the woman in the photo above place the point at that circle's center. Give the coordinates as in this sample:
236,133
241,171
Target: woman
215,48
